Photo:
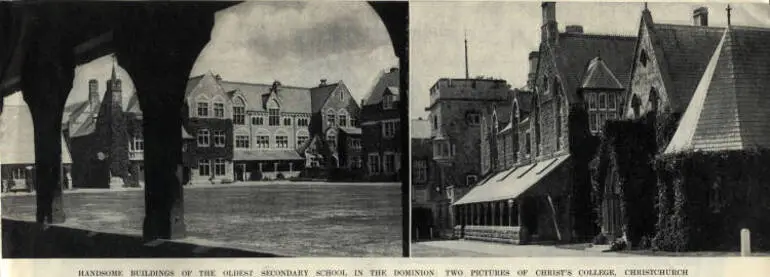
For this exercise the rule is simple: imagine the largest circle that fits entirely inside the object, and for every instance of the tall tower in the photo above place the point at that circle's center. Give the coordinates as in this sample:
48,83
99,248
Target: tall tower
549,31
119,139
93,97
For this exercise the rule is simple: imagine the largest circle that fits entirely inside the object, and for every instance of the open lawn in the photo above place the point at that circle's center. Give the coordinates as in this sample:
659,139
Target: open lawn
287,219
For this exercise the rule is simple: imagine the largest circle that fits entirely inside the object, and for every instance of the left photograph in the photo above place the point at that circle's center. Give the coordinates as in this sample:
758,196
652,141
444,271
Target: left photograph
203,129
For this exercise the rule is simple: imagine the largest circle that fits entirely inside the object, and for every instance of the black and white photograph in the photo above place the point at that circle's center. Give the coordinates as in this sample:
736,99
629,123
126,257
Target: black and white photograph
203,129
565,129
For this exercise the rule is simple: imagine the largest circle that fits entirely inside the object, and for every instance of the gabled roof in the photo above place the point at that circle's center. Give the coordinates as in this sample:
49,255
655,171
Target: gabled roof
293,99
683,51
730,107
574,52
420,129
17,134
524,100
73,109
320,94
86,128
395,92
133,105
599,76
389,78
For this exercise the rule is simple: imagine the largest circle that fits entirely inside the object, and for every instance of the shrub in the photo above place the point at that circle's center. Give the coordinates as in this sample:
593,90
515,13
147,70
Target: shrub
644,243
618,245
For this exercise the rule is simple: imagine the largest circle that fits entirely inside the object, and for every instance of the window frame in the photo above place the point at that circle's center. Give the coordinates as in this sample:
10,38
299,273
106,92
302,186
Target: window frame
274,117
239,115
201,167
242,141
202,108
204,134
220,138
282,144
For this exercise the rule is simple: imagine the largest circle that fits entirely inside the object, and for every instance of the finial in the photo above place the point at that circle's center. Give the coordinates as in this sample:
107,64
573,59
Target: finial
645,6
467,75
728,14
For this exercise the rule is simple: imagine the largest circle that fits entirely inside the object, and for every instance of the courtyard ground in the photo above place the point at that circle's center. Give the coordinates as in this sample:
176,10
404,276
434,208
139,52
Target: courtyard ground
294,219
466,248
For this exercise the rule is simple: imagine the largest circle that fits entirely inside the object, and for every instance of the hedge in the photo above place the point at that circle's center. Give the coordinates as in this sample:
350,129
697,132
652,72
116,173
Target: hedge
705,199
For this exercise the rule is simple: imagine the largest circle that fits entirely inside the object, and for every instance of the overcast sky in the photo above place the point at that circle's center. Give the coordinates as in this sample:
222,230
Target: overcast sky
297,43
501,35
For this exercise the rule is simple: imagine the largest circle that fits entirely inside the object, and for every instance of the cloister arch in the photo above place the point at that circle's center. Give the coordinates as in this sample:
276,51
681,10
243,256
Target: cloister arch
157,43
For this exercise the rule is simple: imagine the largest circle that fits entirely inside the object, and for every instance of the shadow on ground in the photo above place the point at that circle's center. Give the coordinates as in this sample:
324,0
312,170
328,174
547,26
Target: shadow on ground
22,239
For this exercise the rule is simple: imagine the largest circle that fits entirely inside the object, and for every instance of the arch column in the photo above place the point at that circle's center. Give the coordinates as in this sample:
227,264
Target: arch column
158,45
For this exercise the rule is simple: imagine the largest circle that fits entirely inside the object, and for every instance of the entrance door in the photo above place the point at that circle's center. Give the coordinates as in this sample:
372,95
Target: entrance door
240,172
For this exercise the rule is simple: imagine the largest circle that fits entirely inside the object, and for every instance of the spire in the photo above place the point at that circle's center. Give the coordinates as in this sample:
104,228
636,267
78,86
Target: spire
467,75
728,14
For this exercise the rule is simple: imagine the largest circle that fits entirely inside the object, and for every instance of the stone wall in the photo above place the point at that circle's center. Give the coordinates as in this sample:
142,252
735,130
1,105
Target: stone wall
645,78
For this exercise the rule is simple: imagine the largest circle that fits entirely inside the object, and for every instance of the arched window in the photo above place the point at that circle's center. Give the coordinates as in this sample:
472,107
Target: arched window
239,111
343,118
330,118
636,104
273,113
302,137
331,138
654,100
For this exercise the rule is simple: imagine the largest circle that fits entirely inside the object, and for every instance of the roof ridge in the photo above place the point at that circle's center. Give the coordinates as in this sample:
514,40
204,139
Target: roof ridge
602,36
261,84
687,26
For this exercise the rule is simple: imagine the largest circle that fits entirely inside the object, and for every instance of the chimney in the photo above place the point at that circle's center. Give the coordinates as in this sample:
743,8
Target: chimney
323,83
218,77
393,69
574,29
93,94
549,30
700,16
533,58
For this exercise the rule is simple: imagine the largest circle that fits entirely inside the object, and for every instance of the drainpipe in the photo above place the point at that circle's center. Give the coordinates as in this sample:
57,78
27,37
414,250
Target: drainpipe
555,223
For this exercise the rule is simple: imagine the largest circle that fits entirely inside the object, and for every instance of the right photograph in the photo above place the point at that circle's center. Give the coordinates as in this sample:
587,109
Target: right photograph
545,129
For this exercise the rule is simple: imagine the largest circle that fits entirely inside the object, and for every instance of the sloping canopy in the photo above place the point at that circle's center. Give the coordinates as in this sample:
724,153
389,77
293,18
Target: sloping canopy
266,155
17,136
730,107
512,183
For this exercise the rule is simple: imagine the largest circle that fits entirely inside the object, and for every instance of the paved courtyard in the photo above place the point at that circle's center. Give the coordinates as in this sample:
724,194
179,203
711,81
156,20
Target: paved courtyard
307,219
466,248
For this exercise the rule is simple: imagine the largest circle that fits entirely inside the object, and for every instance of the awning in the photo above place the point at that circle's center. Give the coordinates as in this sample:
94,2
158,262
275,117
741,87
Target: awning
511,183
266,155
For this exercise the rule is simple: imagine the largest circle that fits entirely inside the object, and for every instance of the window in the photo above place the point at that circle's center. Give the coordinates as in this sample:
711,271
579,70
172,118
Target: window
330,118
435,122
389,163
219,138
342,95
612,101
302,121
257,120
19,173
239,115
203,137
356,162
528,143
301,140
273,117
204,168
203,109
387,102
421,171
635,104
653,100
355,143
137,144
282,141
602,101
262,142
474,118
374,163
219,167
643,58
343,120
471,179
219,110
241,141
353,121
593,122
591,101
389,129
331,139
602,120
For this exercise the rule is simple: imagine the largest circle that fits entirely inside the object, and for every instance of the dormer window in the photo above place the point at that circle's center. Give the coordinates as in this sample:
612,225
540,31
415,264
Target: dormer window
387,102
203,109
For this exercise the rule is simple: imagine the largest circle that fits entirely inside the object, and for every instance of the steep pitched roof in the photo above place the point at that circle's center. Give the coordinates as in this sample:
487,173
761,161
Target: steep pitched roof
320,94
420,129
17,135
293,99
73,109
389,78
574,51
599,76
133,105
683,52
731,103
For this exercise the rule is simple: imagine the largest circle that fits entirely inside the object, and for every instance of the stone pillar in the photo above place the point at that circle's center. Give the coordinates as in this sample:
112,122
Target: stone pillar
158,45
46,80
501,206
493,213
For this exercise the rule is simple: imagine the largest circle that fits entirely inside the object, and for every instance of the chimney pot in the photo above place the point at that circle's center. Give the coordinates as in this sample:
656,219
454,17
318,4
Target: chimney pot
575,29
393,69
218,77
323,82
700,16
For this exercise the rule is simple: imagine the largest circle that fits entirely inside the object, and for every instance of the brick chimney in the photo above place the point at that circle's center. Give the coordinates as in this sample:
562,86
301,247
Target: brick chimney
93,95
700,16
549,30
533,58
574,29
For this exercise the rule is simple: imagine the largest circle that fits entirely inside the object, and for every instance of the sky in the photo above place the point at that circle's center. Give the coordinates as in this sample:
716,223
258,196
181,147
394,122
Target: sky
501,35
297,43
